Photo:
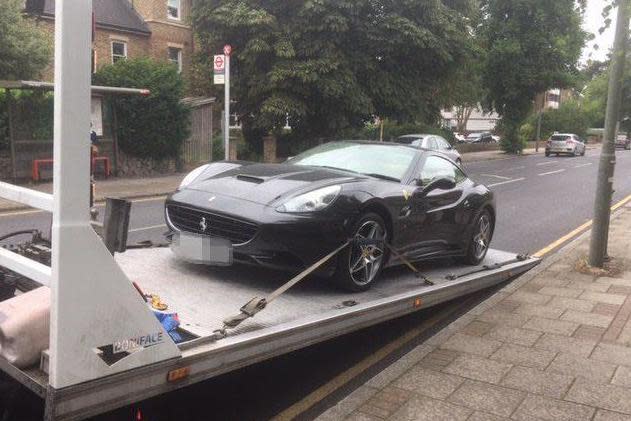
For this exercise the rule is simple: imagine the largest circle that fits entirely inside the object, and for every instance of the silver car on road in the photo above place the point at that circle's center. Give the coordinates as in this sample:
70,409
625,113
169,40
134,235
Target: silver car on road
565,143
432,142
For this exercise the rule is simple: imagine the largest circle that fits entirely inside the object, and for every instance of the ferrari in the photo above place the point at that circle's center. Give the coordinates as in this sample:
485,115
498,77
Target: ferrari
404,201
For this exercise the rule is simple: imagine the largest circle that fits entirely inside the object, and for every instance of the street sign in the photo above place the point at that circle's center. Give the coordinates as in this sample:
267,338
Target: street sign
219,63
219,69
227,49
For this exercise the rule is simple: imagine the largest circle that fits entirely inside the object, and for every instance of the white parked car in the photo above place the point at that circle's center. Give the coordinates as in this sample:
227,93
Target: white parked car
431,142
565,143
460,138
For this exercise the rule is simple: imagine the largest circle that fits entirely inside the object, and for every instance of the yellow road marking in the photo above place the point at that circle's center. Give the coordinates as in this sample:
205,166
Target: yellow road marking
547,249
343,378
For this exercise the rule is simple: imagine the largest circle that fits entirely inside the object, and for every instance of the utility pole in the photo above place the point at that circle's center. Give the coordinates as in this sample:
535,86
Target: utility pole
604,186
227,50
381,131
538,131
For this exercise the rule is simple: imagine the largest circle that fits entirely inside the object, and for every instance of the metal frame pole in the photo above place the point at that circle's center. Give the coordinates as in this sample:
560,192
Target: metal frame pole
604,186
226,117
93,303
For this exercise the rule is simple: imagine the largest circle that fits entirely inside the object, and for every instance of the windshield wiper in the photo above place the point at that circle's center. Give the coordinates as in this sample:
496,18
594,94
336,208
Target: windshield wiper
382,177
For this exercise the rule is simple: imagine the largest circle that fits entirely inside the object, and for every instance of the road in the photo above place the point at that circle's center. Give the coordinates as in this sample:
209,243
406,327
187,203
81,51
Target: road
538,200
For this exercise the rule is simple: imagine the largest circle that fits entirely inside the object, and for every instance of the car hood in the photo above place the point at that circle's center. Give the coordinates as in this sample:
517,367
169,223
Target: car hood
267,183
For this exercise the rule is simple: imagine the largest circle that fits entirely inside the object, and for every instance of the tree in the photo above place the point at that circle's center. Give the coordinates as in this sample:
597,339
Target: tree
532,46
334,64
570,117
465,92
25,48
154,126
595,95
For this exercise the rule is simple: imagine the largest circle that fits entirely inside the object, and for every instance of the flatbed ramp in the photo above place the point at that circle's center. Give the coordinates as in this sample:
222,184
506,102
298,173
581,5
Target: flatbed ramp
311,312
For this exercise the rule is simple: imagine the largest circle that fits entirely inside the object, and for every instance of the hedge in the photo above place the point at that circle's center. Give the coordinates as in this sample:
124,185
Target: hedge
151,126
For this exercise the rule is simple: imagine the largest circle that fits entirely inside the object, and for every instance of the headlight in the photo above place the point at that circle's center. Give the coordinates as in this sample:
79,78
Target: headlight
311,202
190,177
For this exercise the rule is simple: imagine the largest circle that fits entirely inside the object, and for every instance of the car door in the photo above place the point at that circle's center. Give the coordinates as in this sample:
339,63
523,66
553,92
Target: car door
435,226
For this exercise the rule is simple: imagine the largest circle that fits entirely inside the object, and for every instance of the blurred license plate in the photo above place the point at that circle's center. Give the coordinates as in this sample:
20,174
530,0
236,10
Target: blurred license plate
202,249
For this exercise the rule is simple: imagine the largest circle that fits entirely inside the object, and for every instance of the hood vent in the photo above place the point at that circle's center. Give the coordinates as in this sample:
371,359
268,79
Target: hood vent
250,179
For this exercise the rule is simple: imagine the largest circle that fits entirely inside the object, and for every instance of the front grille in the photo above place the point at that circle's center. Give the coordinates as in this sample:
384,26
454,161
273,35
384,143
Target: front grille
233,229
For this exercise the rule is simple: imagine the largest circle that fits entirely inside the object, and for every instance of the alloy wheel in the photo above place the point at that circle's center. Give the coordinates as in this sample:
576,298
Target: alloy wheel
482,237
366,260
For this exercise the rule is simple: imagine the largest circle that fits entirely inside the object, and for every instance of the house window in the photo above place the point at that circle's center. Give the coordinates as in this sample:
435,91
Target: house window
119,51
175,57
173,9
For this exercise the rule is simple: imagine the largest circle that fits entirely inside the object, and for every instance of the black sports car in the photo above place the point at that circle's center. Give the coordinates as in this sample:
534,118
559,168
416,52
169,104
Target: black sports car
290,215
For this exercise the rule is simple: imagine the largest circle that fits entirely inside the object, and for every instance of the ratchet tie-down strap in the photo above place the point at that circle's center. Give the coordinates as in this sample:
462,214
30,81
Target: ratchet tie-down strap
257,304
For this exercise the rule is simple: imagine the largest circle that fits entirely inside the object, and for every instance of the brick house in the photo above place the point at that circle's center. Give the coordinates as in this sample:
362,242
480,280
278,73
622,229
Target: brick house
159,29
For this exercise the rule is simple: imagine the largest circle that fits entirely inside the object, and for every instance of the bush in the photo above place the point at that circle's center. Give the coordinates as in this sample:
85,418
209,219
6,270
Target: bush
570,117
4,122
393,130
291,144
32,116
153,126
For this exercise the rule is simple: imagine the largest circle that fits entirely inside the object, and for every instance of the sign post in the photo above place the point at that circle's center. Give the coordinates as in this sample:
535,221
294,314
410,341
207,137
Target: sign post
227,50
219,66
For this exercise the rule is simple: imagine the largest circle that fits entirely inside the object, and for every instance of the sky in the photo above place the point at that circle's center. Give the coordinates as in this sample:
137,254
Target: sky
593,21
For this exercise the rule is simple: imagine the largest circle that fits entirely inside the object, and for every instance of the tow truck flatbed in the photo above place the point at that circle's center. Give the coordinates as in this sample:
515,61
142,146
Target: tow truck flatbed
312,312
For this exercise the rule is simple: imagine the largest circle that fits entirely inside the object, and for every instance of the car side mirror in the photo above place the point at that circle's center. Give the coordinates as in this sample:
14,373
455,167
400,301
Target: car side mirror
443,183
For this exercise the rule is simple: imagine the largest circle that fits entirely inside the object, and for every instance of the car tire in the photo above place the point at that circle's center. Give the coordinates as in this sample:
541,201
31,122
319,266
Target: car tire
583,153
547,154
354,273
627,147
476,252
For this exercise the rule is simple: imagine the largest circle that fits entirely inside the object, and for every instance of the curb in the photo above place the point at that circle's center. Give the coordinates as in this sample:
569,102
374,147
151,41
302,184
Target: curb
98,201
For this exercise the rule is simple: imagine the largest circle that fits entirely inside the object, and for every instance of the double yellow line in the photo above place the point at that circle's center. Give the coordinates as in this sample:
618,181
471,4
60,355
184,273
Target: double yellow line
547,249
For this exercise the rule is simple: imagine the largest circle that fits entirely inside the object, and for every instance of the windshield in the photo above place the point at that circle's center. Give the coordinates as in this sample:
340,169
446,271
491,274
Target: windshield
387,161
560,137
408,140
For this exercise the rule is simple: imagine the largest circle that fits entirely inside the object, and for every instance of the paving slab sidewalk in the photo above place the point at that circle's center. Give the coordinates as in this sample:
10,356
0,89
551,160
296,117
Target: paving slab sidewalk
126,188
554,344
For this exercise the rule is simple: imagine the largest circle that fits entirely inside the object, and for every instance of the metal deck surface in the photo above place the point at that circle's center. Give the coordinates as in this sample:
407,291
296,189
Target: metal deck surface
311,312
203,295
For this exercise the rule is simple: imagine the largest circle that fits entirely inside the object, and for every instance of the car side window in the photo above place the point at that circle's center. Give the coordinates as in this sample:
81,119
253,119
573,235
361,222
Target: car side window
436,167
443,144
